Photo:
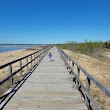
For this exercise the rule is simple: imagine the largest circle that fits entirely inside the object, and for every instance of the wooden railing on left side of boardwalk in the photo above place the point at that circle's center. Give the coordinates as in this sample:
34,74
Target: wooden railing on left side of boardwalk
11,83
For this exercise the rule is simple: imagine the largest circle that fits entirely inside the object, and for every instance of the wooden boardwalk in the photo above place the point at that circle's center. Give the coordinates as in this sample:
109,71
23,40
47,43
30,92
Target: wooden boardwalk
49,88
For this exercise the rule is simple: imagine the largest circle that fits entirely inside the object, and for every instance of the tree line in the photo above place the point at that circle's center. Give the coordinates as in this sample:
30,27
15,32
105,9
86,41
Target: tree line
85,47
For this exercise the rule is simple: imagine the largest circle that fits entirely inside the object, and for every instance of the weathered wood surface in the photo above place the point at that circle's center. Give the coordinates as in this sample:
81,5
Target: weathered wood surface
48,88
85,90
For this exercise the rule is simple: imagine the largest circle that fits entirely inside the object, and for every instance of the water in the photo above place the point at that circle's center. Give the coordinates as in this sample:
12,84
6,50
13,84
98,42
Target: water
12,47
6,49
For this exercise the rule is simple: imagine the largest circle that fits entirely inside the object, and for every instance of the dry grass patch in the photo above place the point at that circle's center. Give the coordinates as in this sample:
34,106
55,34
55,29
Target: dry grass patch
99,70
7,57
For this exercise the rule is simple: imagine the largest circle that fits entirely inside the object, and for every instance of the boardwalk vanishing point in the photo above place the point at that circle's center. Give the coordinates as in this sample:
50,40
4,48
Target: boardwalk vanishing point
49,87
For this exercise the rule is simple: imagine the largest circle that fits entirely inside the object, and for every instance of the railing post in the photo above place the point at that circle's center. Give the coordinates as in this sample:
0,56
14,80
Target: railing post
67,62
10,73
65,56
66,59
78,73
27,63
31,60
72,65
34,59
74,77
39,55
87,92
20,68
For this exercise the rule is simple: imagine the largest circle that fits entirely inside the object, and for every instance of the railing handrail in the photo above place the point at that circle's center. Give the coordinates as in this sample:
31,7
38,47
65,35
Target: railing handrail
14,61
95,81
10,63
35,61
89,78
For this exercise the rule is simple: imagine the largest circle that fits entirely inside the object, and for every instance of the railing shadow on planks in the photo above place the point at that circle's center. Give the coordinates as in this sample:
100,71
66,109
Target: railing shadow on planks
85,91
33,60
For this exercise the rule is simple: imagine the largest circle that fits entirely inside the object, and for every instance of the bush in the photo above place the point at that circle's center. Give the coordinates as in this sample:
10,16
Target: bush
107,44
84,47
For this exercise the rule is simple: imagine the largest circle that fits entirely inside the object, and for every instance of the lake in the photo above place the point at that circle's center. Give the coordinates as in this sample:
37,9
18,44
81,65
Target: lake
12,47
6,49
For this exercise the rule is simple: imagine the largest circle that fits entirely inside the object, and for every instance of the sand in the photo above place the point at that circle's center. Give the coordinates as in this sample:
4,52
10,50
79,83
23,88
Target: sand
99,70
7,57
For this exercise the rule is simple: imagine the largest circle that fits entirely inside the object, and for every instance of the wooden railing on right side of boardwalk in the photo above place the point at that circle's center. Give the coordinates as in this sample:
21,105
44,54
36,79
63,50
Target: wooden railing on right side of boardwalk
33,60
85,91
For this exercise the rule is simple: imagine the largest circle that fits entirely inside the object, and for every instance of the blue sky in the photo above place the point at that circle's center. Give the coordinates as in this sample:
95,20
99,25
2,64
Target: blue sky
54,21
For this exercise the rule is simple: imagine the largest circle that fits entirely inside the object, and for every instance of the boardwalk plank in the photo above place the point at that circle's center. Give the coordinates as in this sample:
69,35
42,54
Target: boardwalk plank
48,88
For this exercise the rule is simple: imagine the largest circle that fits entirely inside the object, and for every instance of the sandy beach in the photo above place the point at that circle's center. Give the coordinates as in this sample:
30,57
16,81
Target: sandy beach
98,69
7,57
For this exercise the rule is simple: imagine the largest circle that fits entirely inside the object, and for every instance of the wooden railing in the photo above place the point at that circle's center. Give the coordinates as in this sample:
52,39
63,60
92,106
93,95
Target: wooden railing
85,91
35,59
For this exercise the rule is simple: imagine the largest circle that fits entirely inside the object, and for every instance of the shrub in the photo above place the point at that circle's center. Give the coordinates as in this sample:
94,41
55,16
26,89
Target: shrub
84,47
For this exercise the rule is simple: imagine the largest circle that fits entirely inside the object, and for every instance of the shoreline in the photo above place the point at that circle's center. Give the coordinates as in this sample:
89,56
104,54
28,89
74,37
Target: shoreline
12,50
8,56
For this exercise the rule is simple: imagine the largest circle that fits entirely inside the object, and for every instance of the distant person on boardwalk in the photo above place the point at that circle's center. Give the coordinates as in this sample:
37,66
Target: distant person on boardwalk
49,56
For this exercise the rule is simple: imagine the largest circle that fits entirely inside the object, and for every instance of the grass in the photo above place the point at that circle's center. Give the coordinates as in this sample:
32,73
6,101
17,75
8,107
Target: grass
85,47
10,56
97,62
93,49
16,78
